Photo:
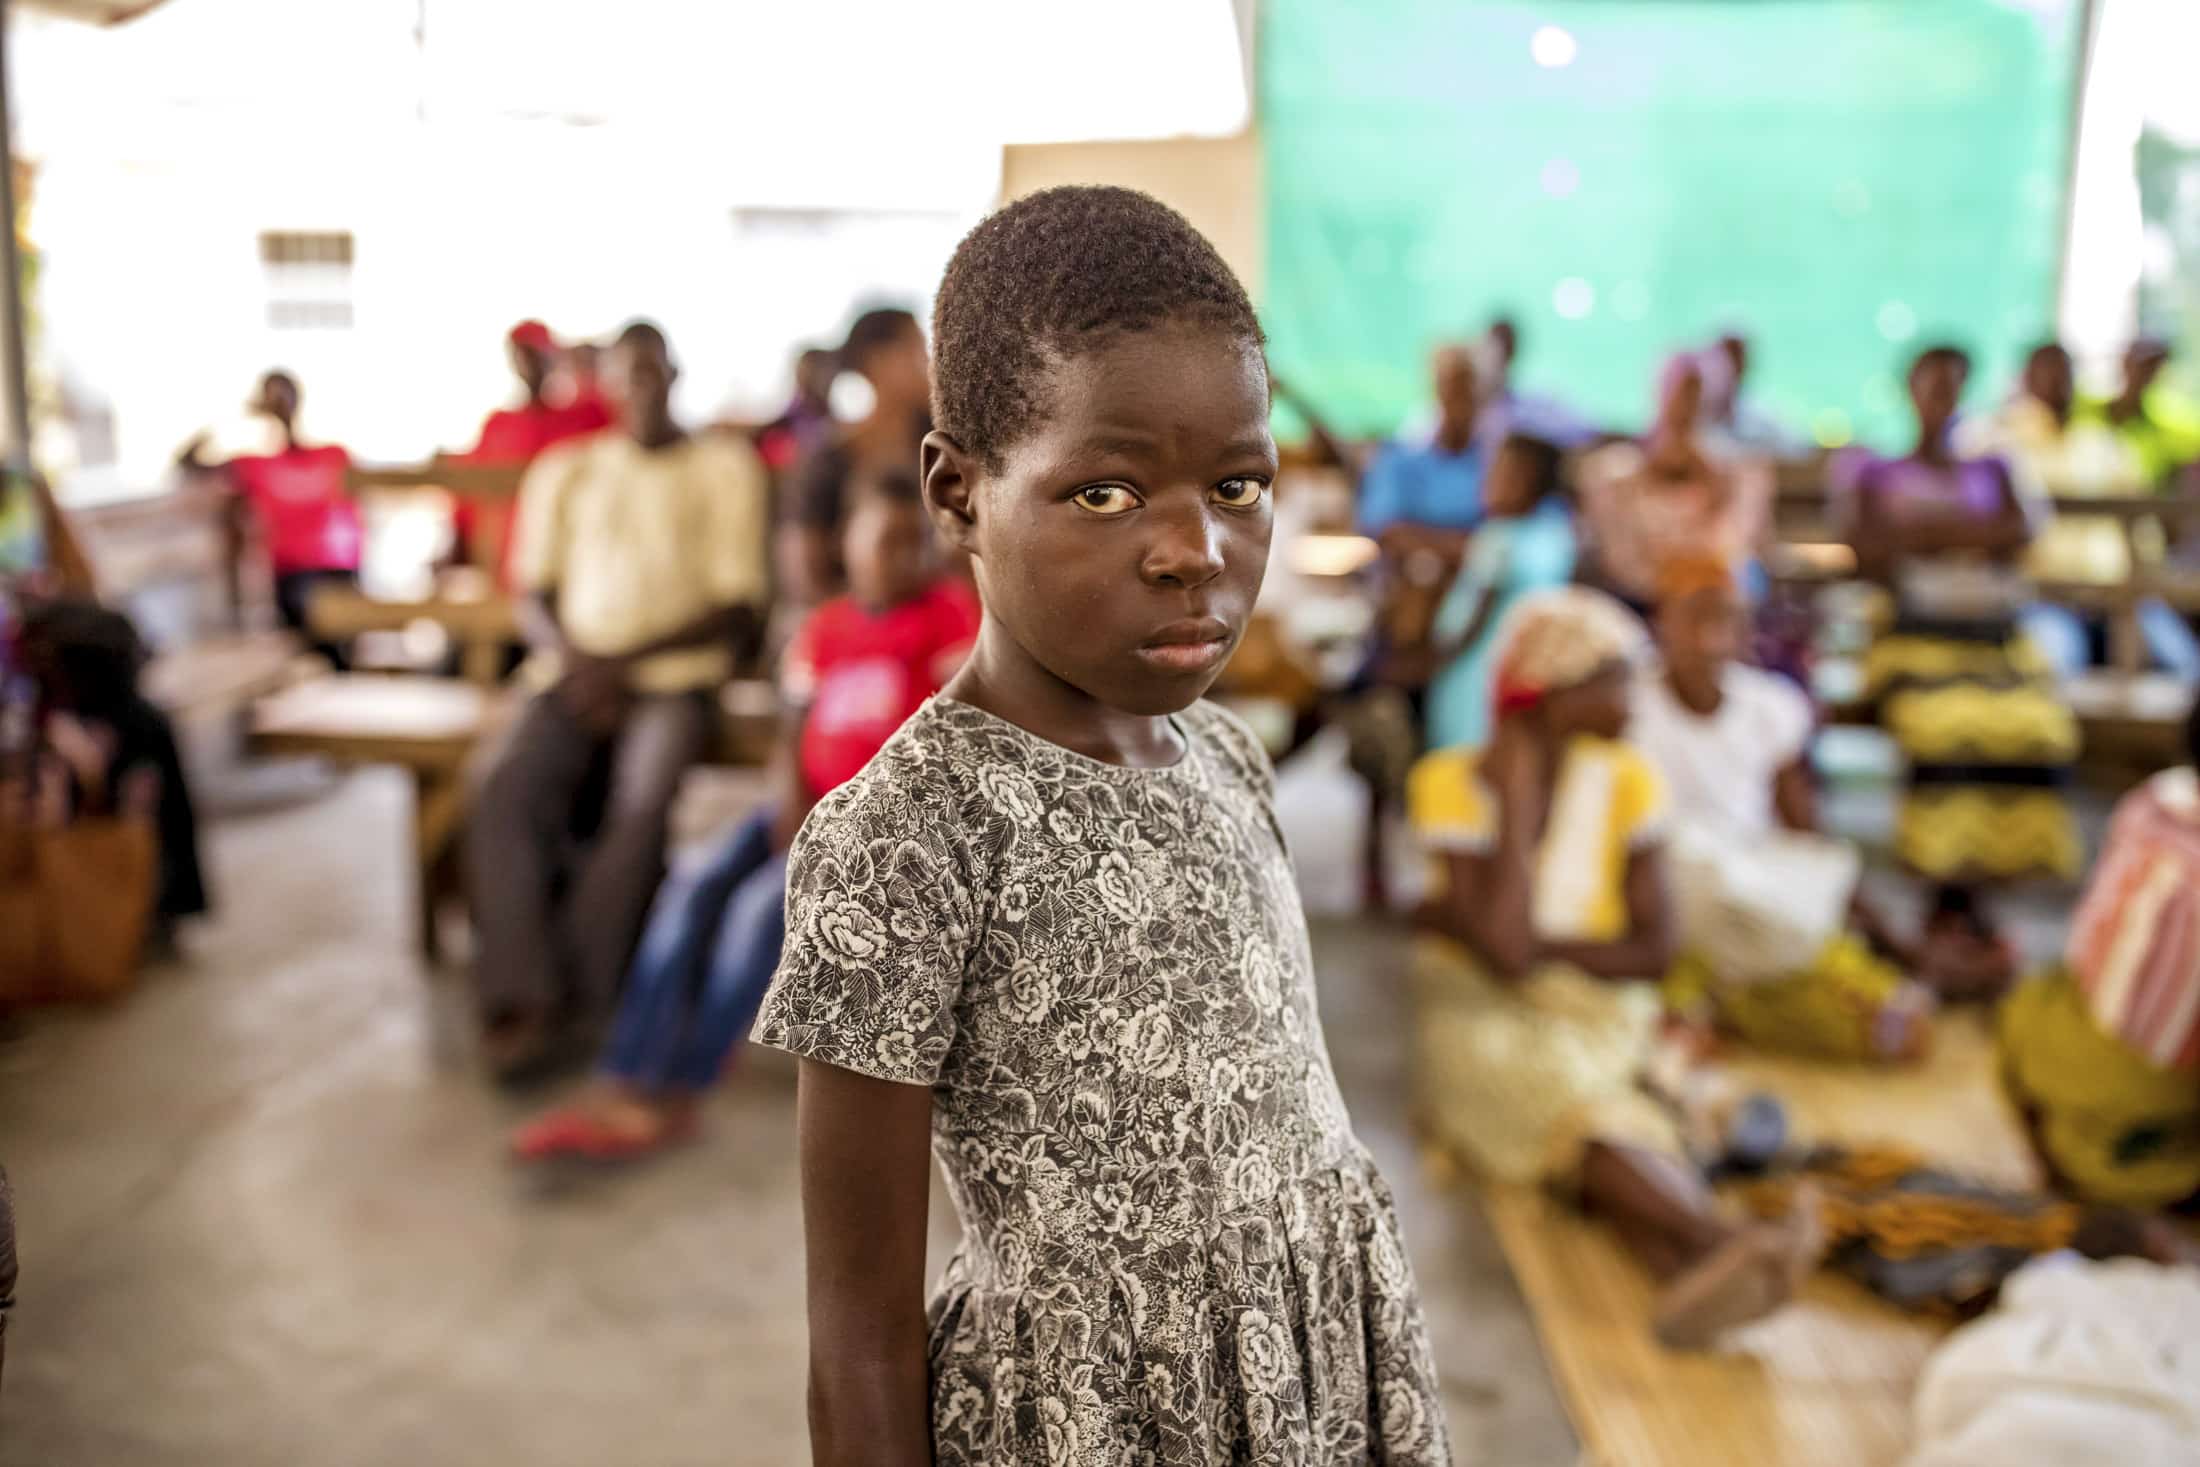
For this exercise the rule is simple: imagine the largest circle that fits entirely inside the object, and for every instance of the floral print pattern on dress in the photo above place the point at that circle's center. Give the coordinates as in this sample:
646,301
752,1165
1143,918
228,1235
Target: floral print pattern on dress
1175,1251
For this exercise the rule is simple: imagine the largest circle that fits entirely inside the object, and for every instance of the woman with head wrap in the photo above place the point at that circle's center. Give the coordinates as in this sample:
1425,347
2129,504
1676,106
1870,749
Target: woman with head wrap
1644,503
1777,947
1537,988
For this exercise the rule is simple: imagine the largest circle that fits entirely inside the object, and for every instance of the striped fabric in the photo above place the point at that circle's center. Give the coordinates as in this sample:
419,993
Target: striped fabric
2135,942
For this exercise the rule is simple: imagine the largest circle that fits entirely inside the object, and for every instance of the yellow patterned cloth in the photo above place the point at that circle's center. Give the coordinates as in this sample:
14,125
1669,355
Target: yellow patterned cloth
1952,834
1520,1077
1987,737
1837,1008
2118,1129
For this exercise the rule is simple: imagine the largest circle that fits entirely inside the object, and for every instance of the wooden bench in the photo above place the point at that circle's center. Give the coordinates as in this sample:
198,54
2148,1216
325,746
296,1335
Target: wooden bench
432,728
480,622
1825,1383
221,675
427,726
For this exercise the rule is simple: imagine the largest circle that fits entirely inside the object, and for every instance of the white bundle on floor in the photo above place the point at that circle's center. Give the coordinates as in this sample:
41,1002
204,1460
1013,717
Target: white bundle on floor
1759,907
2080,1364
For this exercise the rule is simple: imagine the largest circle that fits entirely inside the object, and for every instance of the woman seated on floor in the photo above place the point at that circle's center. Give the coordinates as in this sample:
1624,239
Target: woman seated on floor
2103,1053
1777,946
1537,996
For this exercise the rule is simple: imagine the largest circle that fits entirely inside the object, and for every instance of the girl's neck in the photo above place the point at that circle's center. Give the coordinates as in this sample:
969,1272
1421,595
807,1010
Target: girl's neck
1002,679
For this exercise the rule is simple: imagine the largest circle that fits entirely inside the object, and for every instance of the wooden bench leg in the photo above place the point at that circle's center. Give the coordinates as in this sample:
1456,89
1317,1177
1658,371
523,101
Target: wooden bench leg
438,800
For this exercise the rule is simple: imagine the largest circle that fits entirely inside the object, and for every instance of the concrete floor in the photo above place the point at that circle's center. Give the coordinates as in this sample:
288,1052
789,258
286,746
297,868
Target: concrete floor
265,1221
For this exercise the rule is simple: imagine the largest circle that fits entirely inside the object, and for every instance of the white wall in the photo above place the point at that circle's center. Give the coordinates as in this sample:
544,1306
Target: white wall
155,298
566,159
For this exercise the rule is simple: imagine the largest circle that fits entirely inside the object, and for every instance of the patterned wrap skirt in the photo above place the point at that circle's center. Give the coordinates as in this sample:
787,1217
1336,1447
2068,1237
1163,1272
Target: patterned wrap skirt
1989,742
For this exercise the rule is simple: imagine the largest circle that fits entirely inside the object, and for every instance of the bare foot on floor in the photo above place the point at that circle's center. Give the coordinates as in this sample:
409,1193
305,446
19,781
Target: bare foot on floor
1754,1273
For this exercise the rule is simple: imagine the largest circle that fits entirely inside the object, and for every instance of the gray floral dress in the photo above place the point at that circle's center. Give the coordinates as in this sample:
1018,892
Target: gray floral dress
1175,1251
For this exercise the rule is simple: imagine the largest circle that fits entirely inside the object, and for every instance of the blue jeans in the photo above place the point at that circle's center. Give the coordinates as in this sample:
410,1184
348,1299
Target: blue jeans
706,958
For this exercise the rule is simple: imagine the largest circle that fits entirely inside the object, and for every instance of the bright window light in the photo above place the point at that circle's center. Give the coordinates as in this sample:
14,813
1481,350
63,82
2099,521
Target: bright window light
1553,46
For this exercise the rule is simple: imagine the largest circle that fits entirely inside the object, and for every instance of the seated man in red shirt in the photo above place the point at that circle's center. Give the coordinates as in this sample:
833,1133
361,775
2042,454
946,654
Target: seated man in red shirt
859,666
514,435
302,501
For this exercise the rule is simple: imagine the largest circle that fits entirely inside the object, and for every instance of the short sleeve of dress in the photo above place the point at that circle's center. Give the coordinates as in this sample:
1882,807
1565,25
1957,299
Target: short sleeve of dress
1643,804
1239,747
1447,806
880,925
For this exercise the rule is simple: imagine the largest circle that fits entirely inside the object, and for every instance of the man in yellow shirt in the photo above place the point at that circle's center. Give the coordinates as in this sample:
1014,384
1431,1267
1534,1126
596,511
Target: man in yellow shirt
641,557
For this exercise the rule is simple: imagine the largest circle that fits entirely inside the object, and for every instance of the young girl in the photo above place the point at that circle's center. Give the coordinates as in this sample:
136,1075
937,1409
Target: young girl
1525,545
1537,995
1053,927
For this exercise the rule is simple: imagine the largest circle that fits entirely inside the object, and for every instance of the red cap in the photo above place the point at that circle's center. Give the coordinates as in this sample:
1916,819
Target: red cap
533,335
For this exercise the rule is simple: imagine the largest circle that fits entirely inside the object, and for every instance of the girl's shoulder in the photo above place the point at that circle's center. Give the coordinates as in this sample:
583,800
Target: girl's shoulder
915,784
1232,745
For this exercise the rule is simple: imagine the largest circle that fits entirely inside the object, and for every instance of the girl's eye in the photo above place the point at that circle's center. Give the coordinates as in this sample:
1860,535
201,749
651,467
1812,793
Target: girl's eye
1106,499
1241,493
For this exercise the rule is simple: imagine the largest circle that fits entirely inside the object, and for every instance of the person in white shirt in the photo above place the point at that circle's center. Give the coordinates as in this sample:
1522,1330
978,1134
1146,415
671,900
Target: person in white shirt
1776,946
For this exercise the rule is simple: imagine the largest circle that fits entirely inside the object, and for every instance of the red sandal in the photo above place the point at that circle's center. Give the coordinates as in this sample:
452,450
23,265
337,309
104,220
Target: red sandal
572,1134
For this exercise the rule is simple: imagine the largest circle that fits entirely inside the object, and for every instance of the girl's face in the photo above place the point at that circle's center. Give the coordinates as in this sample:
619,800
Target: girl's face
1122,541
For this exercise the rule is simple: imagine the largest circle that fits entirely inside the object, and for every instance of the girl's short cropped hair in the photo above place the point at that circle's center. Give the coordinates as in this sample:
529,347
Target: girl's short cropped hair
1054,274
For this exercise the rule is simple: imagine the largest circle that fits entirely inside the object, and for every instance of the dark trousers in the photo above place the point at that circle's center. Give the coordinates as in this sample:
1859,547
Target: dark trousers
554,925
294,595
145,739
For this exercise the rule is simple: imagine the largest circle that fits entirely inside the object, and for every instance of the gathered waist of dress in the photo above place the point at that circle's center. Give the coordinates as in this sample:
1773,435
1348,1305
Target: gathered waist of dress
1117,1214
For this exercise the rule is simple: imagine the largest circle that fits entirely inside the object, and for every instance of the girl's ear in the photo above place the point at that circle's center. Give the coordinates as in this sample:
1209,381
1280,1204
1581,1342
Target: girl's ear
950,490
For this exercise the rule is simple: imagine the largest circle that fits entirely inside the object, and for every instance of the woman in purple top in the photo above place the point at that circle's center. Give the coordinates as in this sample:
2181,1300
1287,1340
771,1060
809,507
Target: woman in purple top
1957,684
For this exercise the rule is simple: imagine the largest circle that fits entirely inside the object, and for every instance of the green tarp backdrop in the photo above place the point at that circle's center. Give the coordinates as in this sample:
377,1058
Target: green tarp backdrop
1844,178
